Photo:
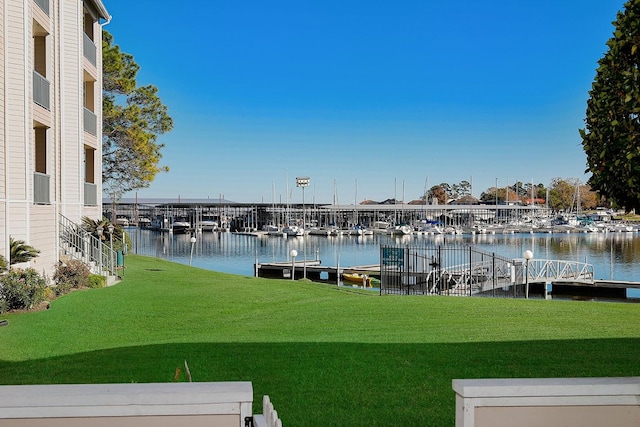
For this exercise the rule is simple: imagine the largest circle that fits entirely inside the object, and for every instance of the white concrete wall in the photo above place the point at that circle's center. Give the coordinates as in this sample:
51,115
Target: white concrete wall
548,402
211,404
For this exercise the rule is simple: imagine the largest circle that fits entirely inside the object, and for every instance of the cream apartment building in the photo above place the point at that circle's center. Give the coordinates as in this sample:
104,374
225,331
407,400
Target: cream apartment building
50,120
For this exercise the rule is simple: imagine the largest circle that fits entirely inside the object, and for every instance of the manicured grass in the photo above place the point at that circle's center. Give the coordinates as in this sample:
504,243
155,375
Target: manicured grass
326,356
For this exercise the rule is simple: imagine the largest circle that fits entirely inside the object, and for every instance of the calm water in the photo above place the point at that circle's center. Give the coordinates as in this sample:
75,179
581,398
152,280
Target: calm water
614,256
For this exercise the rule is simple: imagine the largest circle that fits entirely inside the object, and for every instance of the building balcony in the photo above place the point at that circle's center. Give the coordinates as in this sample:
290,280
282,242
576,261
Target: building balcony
90,194
41,90
89,49
41,193
90,122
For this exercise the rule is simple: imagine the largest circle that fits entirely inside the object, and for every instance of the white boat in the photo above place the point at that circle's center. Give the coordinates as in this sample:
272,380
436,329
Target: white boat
180,225
293,230
402,229
207,223
272,230
319,231
355,231
123,221
381,227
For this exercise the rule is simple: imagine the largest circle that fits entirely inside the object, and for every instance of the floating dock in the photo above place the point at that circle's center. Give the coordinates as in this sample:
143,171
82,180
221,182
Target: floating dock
314,270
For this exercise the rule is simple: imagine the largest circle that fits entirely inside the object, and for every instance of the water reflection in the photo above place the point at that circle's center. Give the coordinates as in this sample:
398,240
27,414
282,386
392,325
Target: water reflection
613,255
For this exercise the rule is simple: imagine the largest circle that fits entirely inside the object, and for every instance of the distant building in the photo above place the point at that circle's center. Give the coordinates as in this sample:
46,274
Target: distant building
465,200
51,120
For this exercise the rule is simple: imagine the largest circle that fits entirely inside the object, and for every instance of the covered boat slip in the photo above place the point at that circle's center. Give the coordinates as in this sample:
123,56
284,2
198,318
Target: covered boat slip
241,216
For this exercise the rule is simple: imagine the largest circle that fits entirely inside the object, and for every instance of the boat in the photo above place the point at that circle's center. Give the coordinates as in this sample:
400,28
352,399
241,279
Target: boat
402,229
381,227
293,230
181,225
144,222
319,231
207,223
357,278
272,230
122,221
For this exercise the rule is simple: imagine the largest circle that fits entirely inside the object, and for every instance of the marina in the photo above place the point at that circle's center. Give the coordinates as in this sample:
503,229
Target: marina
341,244
612,255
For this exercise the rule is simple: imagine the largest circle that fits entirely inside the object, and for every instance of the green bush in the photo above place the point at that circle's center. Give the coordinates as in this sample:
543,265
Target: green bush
70,275
96,281
21,289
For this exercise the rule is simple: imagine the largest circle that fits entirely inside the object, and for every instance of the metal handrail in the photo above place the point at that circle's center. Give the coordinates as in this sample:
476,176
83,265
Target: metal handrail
80,244
553,270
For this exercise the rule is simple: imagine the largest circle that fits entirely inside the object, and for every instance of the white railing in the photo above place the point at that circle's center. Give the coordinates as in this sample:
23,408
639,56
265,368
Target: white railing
79,244
269,417
538,270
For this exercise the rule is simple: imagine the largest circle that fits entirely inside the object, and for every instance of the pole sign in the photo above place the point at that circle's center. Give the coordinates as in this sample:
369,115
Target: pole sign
393,256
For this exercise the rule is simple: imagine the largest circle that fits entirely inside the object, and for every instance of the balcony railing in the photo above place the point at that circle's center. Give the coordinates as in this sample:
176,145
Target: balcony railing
89,49
90,122
41,188
40,90
44,5
90,194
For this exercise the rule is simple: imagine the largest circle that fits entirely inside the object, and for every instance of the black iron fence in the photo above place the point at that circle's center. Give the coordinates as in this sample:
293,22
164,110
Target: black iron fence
449,270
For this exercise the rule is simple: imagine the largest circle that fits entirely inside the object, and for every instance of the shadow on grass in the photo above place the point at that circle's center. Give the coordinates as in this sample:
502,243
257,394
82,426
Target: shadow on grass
341,384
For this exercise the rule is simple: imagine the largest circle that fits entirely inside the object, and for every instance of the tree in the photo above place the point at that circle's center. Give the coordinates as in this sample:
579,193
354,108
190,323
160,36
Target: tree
611,138
20,251
439,193
133,119
462,189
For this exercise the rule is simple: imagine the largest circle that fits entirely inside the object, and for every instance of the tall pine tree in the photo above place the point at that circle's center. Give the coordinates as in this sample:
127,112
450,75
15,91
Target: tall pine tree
133,119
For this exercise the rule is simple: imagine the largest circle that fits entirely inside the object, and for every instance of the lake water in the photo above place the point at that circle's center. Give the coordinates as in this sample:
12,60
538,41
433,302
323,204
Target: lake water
614,256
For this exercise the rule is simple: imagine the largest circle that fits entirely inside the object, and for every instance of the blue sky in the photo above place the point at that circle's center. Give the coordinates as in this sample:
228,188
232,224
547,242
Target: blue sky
370,99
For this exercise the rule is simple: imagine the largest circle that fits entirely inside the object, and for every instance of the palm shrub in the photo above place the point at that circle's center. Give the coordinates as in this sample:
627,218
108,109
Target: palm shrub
21,289
72,274
120,237
3,264
21,252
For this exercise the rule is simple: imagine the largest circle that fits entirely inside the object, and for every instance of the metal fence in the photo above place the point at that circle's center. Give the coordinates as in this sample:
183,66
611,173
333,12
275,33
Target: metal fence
449,270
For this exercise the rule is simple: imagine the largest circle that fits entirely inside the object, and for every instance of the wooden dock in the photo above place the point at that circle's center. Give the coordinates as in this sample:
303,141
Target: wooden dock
314,270
600,288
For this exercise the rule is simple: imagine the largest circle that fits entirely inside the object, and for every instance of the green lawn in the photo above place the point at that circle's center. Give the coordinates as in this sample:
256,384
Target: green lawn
326,356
